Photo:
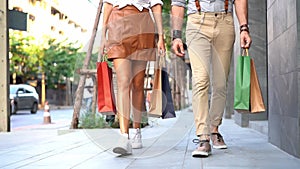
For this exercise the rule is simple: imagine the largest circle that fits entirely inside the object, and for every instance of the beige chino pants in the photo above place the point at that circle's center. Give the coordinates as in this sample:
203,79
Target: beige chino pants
210,40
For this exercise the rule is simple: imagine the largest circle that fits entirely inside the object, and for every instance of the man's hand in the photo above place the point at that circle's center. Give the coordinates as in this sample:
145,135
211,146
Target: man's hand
241,9
245,40
177,47
177,22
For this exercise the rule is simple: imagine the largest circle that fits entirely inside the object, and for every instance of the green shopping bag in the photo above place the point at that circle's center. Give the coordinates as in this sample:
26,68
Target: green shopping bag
242,83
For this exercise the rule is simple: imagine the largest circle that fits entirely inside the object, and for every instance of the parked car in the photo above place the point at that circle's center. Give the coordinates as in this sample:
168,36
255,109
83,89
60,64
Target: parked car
23,97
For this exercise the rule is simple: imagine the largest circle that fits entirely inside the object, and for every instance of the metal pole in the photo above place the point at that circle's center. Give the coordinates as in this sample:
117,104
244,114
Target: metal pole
4,71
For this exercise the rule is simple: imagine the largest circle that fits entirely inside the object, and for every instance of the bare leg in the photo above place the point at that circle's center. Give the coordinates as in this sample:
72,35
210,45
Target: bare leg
123,72
138,69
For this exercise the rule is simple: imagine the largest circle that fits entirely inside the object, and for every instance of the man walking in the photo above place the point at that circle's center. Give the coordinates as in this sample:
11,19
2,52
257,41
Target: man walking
210,36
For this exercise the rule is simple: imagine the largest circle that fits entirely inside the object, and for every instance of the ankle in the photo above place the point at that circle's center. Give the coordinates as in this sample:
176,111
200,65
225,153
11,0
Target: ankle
214,129
125,135
204,137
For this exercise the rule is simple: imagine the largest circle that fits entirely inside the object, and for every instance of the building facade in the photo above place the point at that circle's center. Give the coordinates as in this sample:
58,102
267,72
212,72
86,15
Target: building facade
275,30
58,19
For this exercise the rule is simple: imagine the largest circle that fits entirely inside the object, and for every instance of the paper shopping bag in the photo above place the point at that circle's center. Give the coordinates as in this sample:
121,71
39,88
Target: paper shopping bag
156,95
256,99
106,99
242,84
167,101
161,104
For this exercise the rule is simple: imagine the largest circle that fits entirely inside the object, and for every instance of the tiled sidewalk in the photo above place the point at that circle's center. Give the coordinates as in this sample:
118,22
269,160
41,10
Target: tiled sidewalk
167,144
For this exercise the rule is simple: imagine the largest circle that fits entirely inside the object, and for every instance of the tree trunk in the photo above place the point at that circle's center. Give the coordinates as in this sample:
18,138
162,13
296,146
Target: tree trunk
79,91
68,92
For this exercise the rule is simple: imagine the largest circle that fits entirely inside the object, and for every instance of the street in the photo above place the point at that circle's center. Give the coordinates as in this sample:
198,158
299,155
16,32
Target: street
25,120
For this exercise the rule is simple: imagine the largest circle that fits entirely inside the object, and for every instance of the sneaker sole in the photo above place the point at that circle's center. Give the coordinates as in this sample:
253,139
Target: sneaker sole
137,145
201,154
121,151
220,147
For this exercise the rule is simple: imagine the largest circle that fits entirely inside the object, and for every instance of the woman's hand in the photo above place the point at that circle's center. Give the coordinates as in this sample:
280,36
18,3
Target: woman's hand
161,45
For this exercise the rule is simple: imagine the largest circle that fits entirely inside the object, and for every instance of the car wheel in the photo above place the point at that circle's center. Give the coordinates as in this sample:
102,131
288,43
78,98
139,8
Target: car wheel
13,109
34,108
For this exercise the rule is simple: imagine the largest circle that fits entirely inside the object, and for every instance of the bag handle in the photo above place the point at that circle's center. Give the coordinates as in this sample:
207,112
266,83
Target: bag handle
104,58
160,60
245,52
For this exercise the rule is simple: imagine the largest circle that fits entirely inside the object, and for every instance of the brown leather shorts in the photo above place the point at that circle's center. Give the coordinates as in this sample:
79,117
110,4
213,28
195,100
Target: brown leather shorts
131,34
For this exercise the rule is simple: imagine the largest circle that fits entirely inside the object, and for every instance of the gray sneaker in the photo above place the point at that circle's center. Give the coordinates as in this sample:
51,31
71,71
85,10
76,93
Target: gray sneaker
124,146
136,140
203,150
217,141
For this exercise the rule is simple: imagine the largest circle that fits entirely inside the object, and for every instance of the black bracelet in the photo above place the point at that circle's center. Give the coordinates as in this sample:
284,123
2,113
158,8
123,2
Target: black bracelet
245,26
177,34
247,30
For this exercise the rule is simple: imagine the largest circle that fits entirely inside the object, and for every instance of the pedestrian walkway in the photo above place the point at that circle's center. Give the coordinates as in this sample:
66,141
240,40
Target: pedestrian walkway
167,144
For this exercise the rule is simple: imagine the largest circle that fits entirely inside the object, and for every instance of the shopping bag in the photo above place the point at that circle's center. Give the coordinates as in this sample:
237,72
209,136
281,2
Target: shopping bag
242,84
256,99
156,95
247,96
161,104
167,101
106,98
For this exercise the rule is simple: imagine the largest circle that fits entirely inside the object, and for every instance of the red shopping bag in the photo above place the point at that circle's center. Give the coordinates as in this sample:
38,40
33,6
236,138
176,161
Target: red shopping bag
106,97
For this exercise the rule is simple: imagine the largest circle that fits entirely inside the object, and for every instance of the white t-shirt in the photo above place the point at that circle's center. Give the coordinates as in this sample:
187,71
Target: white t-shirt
139,4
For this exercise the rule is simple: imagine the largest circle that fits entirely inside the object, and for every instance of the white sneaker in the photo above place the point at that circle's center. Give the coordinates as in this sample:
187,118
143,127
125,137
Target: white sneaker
137,139
124,146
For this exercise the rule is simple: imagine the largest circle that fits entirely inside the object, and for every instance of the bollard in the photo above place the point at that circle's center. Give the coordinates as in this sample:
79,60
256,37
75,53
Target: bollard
47,117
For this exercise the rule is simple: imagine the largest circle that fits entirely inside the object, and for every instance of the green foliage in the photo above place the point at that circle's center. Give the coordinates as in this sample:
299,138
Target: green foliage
144,122
59,61
166,13
91,120
30,57
25,55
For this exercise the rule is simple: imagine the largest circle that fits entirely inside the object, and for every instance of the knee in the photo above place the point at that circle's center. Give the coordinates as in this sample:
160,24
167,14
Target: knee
138,86
200,84
219,89
123,83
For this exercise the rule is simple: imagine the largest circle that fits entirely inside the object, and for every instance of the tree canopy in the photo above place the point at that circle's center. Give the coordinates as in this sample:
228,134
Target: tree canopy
30,57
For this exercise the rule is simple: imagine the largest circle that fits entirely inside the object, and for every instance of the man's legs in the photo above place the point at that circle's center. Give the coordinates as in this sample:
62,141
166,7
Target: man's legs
222,45
210,40
199,47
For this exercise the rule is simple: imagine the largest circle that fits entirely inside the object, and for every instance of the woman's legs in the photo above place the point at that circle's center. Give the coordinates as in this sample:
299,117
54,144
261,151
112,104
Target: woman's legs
123,72
130,75
138,105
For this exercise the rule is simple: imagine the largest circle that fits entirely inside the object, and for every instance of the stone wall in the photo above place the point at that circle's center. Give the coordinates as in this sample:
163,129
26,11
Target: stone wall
283,74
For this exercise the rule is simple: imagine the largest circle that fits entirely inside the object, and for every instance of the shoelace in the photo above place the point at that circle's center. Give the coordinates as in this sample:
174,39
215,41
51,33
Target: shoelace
136,136
219,136
196,141
201,142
